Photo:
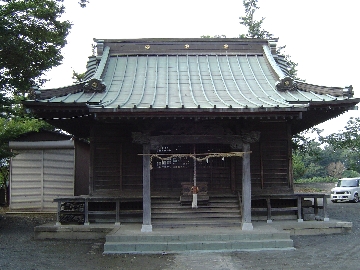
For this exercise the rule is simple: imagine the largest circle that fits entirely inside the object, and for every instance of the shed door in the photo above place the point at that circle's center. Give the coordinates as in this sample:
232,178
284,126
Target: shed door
38,176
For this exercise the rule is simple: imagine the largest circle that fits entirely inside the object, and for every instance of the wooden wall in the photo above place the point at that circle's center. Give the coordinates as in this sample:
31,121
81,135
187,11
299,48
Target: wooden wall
117,164
270,160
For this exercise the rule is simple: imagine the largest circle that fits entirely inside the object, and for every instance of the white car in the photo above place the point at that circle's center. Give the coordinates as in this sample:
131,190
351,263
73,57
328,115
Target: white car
346,189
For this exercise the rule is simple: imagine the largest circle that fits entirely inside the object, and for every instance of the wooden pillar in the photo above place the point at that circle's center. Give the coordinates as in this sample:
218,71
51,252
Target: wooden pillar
268,203
233,174
92,160
316,206
299,206
117,215
326,218
246,189
58,223
146,226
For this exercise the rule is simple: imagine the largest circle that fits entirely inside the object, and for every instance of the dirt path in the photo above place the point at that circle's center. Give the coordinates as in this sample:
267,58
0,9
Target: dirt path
18,250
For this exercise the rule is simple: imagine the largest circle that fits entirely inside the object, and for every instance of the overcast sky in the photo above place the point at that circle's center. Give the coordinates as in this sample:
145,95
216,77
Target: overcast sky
320,35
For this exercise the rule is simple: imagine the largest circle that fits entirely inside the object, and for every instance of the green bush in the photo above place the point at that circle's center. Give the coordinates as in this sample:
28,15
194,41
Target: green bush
316,180
350,174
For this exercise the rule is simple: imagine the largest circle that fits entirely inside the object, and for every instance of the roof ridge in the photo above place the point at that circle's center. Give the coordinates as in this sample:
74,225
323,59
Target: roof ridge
90,67
59,92
325,90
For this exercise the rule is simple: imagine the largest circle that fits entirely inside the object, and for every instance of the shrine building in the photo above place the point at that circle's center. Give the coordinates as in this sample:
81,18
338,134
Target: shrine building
185,117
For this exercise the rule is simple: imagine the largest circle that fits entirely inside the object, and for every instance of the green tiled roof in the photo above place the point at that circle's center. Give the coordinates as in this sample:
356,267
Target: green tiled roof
147,79
187,74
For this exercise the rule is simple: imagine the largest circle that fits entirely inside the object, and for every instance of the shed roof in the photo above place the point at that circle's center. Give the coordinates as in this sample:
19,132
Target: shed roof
167,76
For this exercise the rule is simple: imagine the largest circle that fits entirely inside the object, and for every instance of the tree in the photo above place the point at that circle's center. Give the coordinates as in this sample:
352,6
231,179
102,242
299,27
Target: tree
348,141
17,123
335,169
78,77
31,38
216,36
349,138
32,35
254,27
305,142
299,168
255,30
83,3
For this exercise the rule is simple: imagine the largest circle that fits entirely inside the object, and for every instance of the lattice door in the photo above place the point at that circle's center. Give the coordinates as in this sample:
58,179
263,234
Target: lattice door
168,174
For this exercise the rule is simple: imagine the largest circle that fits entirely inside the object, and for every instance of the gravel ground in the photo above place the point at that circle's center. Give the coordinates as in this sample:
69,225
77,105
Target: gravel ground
18,250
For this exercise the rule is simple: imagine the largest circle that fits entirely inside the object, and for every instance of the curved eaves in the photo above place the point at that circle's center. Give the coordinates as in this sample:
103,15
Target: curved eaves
277,70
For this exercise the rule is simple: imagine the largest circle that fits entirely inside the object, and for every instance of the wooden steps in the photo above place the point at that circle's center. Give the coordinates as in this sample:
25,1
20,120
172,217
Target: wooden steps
221,210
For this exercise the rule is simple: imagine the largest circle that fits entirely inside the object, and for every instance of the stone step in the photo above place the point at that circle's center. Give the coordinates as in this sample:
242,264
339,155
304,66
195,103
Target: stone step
176,247
197,237
155,243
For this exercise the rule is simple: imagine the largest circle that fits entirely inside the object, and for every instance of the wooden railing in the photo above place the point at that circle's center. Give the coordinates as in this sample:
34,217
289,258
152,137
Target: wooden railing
301,200
76,209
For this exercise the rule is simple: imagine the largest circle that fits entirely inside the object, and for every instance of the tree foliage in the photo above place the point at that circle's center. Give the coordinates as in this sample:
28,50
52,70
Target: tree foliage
299,168
336,155
12,128
216,36
335,169
13,125
78,77
253,26
306,142
32,35
31,38
349,138
83,3
255,30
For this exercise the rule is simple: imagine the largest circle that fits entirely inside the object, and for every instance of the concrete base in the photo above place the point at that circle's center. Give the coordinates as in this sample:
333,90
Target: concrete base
92,231
269,221
99,231
146,228
314,227
128,239
247,226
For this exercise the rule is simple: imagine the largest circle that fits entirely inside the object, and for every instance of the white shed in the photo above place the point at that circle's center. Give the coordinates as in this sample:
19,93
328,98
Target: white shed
45,169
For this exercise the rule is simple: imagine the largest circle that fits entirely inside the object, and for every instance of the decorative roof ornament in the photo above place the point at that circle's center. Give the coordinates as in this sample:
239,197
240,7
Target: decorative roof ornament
94,85
348,91
285,84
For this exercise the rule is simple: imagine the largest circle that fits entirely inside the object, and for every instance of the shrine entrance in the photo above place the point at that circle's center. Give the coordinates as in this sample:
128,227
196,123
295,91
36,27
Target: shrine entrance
168,173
